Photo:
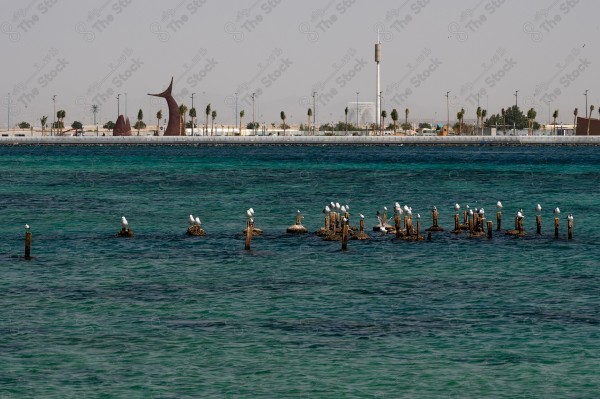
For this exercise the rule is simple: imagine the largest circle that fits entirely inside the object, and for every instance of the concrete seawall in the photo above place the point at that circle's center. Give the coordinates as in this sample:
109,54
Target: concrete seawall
305,140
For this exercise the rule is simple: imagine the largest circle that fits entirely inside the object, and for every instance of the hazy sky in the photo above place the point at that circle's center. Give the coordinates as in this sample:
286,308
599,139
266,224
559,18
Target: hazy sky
87,52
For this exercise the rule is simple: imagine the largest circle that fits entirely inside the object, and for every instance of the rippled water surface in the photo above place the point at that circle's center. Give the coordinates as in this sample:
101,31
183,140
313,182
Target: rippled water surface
164,315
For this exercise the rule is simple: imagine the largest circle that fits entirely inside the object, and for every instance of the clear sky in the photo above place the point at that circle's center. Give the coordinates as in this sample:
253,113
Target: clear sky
87,52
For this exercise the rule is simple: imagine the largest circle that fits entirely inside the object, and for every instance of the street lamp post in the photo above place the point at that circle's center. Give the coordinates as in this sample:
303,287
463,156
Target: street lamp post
118,109
125,113
516,110
236,114
8,120
357,93
448,111
253,115
586,107
53,114
314,113
192,117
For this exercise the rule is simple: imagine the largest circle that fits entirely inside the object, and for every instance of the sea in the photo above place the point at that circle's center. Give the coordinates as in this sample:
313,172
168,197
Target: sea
166,315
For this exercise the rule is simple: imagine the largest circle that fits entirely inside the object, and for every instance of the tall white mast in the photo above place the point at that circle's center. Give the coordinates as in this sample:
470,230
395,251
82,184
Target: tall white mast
378,94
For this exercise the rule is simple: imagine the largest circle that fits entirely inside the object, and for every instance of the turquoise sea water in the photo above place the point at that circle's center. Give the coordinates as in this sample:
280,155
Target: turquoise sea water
164,315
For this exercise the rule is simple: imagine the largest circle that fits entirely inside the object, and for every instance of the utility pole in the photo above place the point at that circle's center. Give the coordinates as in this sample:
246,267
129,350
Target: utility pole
253,115
448,111
586,106
516,110
53,115
357,127
118,109
236,113
314,96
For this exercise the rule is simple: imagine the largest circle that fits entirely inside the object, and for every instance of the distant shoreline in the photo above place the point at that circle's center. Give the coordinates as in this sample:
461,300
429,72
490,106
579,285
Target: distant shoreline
304,140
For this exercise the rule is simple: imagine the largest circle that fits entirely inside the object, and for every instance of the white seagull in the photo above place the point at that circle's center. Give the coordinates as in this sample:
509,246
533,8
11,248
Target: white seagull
481,212
499,205
197,222
251,211
347,207
249,214
326,210
27,227
470,211
457,207
557,211
520,214
418,216
343,209
570,217
362,217
538,208
397,205
124,223
406,208
191,220
337,206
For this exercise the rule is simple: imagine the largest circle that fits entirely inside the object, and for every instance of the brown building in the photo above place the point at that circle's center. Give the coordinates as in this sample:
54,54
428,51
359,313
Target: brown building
582,126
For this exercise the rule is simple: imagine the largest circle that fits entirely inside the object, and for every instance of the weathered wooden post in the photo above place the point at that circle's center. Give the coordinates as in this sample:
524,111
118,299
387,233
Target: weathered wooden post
457,223
397,224
27,243
434,216
499,216
471,227
249,233
344,234
538,222
556,222
418,226
570,226
489,229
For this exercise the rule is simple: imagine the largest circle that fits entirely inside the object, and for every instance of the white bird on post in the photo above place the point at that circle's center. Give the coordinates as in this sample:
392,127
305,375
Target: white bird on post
124,223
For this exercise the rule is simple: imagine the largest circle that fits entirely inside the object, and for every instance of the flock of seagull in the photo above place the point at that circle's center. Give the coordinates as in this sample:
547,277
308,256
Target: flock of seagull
383,226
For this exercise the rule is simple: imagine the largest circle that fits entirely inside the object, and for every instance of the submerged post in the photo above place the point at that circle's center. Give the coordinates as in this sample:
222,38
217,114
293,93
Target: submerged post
27,243
344,234
249,232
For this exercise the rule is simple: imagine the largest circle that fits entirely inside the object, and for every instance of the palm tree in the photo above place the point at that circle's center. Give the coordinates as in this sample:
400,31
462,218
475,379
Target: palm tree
346,113
207,115
503,112
460,116
575,112
406,112
60,115
158,118
282,116
555,116
212,127
95,109
192,116
242,113
309,114
589,119
483,115
478,115
531,114
394,115
140,117
43,121
383,116
182,112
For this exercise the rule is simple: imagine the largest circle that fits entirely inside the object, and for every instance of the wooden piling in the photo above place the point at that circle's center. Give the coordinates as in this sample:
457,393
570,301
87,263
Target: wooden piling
418,228
249,233
435,216
361,227
498,221
520,225
538,222
556,224
570,229
429,236
397,225
28,245
489,229
471,227
457,223
345,234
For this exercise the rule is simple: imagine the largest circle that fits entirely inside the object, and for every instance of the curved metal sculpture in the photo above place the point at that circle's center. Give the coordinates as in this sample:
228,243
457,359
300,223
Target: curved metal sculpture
174,125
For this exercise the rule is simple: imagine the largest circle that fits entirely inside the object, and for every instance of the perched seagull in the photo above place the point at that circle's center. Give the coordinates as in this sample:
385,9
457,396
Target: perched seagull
385,208
332,205
456,207
191,220
251,211
249,214
27,227
344,220
347,207
418,216
343,209
538,208
406,208
197,222
383,229
520,214
409,213
337,206
499,205
362,217
470,211
570,217
557,211
434,208
396,205
298,211
124,223
326,210
481,212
